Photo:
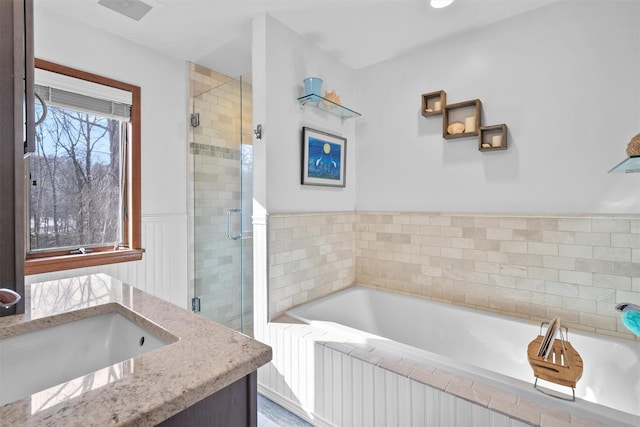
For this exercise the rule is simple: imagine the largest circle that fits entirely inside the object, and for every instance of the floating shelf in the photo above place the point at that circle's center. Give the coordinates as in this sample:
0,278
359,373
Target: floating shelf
429,103
486,137
330,107
461,112
629,165
464,120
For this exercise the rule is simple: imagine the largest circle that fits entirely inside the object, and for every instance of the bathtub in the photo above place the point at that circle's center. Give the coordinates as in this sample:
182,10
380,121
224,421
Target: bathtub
485,347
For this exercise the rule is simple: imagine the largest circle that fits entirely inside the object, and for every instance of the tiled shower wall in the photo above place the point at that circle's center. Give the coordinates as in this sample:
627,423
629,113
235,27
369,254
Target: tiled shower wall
215,155
535,267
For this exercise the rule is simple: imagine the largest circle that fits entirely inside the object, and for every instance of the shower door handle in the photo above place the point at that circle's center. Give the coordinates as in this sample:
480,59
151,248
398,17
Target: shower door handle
230,236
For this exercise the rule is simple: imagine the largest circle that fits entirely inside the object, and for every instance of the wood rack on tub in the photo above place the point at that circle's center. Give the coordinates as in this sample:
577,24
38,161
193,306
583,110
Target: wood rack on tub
560,363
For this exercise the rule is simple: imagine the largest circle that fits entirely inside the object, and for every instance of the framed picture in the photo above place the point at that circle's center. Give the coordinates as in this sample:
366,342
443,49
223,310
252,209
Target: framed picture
323,158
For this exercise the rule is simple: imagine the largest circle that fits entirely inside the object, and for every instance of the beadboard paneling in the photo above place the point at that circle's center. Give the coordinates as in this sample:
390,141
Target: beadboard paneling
162,271
330,388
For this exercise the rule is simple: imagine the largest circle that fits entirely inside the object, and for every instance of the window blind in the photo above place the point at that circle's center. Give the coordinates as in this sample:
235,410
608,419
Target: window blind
76,101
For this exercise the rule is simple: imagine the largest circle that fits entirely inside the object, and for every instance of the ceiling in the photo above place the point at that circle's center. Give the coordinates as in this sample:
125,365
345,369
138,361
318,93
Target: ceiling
217,33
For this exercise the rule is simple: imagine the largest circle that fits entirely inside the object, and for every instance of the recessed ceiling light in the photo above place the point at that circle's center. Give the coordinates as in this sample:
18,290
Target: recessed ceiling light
439,4
134,9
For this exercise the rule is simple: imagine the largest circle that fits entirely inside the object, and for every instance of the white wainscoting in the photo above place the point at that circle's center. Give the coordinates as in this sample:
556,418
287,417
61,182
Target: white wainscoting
162,271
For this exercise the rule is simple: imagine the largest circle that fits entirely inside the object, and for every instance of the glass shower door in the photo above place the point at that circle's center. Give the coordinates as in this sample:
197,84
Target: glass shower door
222,196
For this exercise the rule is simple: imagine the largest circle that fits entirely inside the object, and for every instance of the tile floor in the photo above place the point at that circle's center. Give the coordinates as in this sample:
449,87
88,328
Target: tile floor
271,414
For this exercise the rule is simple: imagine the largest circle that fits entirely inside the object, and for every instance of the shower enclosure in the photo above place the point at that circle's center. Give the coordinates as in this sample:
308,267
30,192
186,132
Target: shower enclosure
221,196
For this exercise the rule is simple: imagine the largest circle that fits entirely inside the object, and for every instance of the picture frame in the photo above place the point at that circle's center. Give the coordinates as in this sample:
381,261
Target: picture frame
324,158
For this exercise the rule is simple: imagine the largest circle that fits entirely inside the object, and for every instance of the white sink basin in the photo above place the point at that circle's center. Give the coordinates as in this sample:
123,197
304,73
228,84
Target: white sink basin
34,361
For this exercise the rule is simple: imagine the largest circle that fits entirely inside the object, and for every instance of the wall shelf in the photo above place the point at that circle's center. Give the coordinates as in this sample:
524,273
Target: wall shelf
461,112
464,120
330,107
629,165
429,103
486,137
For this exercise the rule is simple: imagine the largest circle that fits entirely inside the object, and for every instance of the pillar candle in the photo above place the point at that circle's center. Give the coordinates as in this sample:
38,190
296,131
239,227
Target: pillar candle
437,106
470,124
496,141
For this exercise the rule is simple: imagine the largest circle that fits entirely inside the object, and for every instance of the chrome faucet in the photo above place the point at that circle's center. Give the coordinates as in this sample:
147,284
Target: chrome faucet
9,298
627,306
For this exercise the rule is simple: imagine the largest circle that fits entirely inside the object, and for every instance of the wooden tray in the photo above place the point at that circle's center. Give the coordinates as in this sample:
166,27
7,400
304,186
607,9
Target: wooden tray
563,366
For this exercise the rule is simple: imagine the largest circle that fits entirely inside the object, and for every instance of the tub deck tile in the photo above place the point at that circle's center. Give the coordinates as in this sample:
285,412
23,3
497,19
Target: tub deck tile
315,335
493,392
577,421
422,369
366,356
342,347
463,388
412,363
399,367
545,410
461,382
549,420
387,355
298,331
331,336
437,379
361,345
551,417
287,320
516,411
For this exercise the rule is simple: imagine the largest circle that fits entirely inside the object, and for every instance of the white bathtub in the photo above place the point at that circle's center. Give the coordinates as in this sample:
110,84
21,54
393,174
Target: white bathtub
486,347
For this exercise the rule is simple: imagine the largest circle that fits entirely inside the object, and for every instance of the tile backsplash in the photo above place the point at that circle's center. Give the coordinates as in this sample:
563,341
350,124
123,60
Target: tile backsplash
310,255
531,266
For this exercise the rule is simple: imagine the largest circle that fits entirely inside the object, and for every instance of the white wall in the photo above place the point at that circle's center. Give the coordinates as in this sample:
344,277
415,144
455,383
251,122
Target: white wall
163,82
281,61
564,78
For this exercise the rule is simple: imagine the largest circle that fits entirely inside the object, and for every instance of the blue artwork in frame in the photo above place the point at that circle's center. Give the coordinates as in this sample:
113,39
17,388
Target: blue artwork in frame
323,158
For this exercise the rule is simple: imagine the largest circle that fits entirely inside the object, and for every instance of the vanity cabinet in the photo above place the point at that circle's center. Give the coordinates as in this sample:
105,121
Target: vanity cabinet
205,375
233,406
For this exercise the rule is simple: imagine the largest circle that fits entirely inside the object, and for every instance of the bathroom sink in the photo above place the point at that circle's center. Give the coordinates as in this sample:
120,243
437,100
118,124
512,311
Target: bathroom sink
50,355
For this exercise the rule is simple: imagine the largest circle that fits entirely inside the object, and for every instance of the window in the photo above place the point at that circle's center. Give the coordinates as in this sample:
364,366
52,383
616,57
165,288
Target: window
83,180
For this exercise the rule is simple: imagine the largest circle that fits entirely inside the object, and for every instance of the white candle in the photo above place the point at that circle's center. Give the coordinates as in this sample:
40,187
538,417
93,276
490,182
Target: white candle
496,141
437,106
470,124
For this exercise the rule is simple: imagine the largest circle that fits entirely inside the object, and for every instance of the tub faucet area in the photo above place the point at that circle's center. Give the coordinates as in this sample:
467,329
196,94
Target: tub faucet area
630,316
9,298
627,306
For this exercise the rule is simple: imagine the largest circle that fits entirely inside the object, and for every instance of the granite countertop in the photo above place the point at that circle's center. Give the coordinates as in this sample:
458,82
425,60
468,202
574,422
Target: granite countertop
203,358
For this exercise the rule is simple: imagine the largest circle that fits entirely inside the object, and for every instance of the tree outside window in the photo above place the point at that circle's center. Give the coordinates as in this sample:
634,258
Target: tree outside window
74,183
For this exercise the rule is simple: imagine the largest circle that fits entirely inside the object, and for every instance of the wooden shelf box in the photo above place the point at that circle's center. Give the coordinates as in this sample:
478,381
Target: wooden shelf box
429,102
461,112
491,135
